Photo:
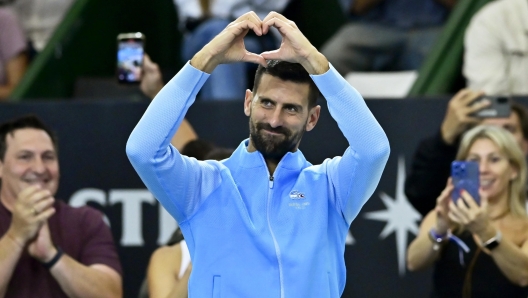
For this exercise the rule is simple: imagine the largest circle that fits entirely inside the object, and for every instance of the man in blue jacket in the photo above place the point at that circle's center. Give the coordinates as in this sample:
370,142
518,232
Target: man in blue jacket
264,222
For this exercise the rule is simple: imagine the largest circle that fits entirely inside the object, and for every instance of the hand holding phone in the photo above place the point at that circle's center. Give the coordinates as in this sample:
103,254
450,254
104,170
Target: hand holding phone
465,175
130,52
500,107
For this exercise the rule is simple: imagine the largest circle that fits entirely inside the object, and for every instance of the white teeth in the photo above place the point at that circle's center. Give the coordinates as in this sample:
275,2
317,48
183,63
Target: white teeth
486,182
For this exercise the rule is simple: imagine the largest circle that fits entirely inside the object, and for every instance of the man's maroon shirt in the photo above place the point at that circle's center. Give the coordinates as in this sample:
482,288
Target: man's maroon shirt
80,232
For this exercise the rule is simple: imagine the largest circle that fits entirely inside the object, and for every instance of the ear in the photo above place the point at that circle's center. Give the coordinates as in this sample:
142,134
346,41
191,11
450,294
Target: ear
313,117
247,102
1,168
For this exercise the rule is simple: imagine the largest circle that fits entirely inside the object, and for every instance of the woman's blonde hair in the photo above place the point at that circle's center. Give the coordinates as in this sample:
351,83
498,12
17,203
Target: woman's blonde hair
508,146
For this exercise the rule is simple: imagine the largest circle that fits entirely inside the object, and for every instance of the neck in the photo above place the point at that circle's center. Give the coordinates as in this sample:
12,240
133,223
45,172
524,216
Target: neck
270,163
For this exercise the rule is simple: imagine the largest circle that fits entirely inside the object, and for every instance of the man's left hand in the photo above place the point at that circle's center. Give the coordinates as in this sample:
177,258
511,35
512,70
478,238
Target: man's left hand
42,248
295,47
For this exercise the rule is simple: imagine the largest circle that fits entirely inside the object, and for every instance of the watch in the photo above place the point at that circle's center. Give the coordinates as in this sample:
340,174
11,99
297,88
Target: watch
493,242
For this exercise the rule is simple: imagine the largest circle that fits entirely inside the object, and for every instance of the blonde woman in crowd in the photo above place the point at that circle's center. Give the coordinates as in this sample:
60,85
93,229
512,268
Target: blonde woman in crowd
479,250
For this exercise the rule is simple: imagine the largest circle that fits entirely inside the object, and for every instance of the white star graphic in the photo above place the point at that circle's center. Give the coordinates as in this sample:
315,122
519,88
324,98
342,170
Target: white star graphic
350,240
400,216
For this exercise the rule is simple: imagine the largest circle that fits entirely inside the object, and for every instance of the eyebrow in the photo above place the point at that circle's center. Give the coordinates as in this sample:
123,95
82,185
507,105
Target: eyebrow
287,105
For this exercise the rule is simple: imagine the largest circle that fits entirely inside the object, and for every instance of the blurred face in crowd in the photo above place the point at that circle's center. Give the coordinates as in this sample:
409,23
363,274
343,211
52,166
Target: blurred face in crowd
513,125
30,159
495,168
278,116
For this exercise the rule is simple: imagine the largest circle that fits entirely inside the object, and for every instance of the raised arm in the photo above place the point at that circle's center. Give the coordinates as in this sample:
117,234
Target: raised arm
355,175
175,180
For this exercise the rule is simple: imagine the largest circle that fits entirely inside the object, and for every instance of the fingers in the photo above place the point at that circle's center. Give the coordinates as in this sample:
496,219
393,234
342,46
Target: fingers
148,65
477,106
275,15
28,192
254,58
283,26
43,205
45,215
37,197
470,201
248,20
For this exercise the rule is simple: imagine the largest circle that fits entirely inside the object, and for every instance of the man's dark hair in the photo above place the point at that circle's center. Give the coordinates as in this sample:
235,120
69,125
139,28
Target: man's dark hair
28,121
287,71
521,111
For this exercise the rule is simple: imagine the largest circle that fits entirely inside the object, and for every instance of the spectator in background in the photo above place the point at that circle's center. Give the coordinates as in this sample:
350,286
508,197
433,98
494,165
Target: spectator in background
47,248
201,20
495,232
431,165
13,54
386,35
496,49
40,18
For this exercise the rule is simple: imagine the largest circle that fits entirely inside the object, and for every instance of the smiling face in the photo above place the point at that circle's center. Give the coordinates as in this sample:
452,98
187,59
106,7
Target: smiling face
30,159
278,116
495,169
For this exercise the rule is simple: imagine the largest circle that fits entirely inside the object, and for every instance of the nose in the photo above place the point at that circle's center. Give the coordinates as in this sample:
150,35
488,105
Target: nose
483,166
38,166
275,119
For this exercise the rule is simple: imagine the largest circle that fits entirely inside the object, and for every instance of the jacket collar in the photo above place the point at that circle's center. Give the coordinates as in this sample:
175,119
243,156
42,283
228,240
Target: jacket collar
244,158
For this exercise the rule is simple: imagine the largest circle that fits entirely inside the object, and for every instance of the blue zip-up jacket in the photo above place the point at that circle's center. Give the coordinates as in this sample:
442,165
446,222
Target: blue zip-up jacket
251,235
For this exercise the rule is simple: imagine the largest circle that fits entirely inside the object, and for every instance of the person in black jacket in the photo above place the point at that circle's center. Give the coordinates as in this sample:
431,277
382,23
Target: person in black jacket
431,165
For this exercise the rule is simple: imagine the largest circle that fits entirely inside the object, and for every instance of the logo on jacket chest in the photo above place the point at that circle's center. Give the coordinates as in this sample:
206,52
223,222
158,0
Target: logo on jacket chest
298,200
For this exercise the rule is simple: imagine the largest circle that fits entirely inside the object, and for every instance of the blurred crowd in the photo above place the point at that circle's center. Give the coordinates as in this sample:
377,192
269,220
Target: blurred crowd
379,35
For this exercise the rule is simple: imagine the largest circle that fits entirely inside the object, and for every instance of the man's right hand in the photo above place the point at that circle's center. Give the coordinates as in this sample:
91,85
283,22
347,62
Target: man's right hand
457,118
228,46
33,207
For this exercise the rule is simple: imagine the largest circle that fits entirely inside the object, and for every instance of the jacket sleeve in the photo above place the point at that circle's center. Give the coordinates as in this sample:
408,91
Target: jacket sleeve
180,183
430,169
356,174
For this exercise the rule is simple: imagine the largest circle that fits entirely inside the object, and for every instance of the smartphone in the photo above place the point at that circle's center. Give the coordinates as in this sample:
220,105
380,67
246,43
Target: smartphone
130,51
500,107
465,176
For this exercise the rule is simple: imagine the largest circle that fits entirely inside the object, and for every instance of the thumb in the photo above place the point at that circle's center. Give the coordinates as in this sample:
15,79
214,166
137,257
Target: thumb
254,58
271,55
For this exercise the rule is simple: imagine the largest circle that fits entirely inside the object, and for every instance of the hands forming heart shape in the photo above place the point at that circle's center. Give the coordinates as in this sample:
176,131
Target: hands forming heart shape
228,46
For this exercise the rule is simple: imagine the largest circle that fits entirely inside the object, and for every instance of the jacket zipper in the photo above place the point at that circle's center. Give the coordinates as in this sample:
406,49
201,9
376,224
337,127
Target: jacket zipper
277,249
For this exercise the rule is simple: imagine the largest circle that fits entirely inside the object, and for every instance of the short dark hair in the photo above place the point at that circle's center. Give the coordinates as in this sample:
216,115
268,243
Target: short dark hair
27,121
287,71
521,111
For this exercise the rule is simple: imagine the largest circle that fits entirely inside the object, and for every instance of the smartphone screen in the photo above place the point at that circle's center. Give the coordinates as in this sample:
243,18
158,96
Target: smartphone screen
465,175
130,51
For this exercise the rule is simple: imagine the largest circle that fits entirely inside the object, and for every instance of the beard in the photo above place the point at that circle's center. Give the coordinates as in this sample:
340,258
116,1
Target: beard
274,147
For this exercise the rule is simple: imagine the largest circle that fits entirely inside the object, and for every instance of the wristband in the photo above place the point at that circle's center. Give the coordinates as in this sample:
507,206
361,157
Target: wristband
437,239
54,260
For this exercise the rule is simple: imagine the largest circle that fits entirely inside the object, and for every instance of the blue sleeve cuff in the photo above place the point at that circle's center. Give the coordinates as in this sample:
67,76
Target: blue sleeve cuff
191,79
330,83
